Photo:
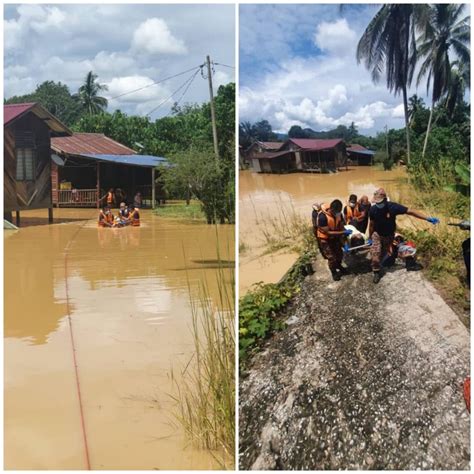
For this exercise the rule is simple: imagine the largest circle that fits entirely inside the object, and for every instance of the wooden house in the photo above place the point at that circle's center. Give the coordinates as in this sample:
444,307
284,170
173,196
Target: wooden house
257,148
28,129
359,155
303,154
86,165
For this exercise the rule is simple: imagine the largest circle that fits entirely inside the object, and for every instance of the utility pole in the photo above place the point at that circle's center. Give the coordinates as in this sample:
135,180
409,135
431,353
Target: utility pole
386,138
213,113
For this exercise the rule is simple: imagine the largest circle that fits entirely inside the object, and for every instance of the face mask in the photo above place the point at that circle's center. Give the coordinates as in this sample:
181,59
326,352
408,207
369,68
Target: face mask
338,214
352,204
380,205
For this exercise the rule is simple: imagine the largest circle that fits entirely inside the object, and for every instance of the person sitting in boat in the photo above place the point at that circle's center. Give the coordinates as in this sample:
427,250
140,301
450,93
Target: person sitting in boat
135,217
124,214
106,218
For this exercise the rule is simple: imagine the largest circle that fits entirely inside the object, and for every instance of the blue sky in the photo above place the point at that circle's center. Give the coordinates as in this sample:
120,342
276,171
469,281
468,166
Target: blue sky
298,67
128,46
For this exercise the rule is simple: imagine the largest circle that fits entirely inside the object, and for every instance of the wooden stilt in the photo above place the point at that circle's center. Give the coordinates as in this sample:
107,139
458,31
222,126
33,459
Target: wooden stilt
153,191
50,215
18,218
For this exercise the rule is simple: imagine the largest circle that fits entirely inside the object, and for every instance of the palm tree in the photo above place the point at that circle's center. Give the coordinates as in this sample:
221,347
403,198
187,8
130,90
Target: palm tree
388,45
415,104
88,95
443,32
460,81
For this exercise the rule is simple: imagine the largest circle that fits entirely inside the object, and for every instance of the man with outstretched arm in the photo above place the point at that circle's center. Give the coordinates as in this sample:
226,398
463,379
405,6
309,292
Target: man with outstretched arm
382,227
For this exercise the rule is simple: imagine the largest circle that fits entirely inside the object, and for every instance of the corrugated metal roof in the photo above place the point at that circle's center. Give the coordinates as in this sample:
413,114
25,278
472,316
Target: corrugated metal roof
315,144
271,145
12,112
89,143
134,160
355,148
271,154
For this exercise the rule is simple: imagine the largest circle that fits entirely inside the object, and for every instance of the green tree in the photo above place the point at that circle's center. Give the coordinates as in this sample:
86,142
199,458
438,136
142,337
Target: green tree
388,45
56,98
443,30
297,132
88,95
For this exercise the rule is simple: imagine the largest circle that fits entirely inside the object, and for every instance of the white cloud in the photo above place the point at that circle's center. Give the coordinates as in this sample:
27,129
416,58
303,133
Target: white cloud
335,37
154,37
123,85
398,111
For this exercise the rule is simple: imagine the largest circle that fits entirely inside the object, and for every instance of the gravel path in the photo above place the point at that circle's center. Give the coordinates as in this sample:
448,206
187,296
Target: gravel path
364,377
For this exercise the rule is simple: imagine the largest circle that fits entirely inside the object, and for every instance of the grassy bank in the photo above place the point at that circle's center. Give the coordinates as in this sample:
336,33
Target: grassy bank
179,210
439,247
206,385
259,308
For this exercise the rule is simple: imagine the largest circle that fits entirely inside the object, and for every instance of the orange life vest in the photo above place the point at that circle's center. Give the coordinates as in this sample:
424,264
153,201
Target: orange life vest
135,218
353,213
105,218
334,223
110,198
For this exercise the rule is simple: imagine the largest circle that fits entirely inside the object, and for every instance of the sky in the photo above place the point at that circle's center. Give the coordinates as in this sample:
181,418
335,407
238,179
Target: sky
298,67
128,46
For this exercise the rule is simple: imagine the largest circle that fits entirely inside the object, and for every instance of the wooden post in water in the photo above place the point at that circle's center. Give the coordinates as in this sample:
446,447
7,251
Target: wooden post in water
98,185
50,214
18,218
153,188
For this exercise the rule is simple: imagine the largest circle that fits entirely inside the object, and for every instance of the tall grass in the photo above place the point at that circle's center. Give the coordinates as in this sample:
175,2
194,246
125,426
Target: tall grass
206,386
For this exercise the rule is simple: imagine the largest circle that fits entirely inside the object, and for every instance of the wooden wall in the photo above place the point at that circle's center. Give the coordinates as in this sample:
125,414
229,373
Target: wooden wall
36,194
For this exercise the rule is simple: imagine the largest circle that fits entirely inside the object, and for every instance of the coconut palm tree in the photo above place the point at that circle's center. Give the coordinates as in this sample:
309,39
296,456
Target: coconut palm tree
460,81
415,104
444,32
388,45
88,95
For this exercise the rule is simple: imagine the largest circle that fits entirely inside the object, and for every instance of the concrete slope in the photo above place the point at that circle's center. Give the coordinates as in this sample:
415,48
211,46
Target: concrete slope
364,377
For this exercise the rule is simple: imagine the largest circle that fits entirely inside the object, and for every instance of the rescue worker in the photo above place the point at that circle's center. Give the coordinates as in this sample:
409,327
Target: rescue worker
137,200
364,208
124,214
382,227
135,216
106,218
110,197
355,214
330,232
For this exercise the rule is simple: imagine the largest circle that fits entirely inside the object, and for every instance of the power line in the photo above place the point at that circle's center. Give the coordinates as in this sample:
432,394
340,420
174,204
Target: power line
155,83
225,65
186,84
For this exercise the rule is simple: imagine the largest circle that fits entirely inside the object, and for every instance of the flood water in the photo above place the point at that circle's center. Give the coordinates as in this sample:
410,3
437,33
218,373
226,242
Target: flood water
130,310
264,196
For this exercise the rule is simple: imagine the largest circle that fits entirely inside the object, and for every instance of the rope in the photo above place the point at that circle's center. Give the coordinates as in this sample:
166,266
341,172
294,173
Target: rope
73,346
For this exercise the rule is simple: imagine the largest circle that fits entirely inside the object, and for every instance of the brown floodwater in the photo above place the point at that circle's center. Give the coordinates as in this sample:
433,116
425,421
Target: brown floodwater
267,196
130,309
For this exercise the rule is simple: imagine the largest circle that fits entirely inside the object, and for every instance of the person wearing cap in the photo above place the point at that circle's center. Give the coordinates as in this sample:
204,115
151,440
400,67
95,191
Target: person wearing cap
330,232
383,224
124,214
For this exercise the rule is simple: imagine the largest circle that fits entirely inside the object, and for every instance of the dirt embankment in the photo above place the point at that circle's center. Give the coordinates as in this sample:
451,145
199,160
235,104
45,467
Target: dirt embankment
364,377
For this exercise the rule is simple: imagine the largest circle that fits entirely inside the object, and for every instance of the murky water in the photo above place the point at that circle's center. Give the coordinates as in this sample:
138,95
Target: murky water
130,311
263,196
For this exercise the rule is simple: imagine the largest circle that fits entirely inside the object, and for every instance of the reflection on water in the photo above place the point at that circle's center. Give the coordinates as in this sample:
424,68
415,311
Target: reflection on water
262,196
131,316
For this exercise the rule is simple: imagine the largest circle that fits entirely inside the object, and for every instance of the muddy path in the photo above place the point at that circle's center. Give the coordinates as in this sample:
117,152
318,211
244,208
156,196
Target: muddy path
363,377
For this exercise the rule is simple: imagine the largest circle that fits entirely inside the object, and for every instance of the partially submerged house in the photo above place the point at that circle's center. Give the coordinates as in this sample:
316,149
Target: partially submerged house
303,154
86,165
359,155
259,147
28,129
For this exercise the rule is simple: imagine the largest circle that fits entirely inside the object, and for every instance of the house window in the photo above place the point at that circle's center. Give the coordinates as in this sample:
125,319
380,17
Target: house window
25,156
